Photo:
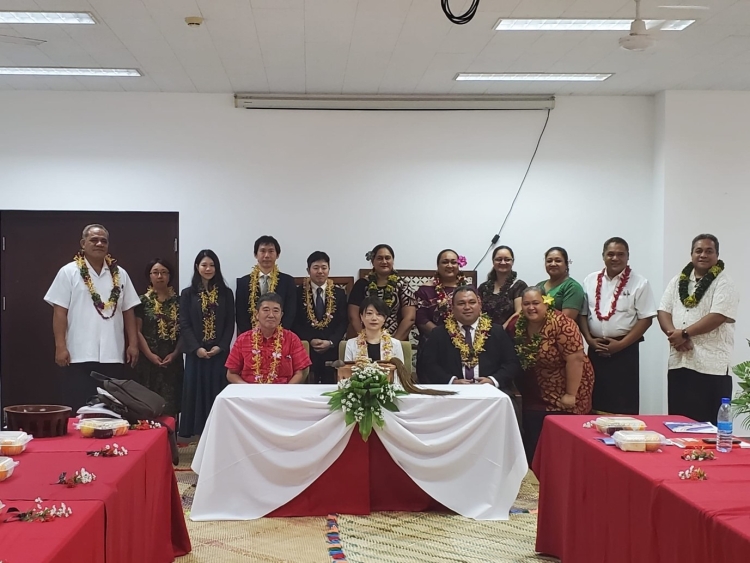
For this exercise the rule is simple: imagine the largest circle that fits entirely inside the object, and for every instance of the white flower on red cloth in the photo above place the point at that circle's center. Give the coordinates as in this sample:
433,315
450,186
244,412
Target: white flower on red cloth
256,351
276,355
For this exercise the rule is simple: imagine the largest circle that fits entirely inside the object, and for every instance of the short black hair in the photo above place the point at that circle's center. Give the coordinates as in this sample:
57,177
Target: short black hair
375,302
615,240
464,289
272,297
492,276
705,236
317,256
217,280
266,239
440,254
167,266
378,247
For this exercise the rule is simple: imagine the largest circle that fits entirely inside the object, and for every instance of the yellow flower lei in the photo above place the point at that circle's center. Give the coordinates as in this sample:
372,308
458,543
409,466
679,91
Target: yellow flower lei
389,291
469,357
255,290
167,326
209,302
272,374
386,340
330,305
114,296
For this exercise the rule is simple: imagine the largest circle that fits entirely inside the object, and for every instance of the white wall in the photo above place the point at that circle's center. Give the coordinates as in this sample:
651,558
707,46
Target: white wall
706,186
344,181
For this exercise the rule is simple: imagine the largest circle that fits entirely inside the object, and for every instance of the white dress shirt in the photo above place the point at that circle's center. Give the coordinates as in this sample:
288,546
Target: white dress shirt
473,330
315,292
636,303
90,338
712,352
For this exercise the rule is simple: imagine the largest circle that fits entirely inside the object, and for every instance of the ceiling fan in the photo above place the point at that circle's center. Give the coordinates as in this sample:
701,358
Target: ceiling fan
640,38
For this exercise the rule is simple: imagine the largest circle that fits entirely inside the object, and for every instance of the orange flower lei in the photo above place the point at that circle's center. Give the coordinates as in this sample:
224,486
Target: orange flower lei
330,305
255,290
272,374
114,295
386,340
209,302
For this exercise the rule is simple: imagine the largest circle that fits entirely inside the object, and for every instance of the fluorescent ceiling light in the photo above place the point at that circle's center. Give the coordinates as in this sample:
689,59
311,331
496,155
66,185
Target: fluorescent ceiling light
47,17
533,77
59,71
586,25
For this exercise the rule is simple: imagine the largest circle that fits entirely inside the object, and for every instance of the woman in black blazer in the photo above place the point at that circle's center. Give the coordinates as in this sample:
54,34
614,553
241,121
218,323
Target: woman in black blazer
206,330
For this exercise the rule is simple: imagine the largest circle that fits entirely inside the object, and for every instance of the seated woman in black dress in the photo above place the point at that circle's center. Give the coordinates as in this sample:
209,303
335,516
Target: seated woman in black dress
501,293
373,341
384,282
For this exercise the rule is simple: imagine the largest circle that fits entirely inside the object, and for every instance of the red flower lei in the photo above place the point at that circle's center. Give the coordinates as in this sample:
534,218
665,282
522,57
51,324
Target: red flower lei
620,287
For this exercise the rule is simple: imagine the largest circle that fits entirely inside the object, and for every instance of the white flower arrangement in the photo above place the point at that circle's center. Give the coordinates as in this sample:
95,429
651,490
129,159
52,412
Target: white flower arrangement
363,397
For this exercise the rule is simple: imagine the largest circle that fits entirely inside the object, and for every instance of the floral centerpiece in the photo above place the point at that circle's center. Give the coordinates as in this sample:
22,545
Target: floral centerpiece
364,395
741,402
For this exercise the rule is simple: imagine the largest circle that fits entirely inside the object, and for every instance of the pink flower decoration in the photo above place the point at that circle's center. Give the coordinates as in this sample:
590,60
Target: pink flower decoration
462,261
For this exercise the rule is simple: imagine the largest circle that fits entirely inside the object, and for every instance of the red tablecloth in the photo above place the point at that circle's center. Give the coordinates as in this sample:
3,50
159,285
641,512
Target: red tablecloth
143,510
598,504
78,538
341,488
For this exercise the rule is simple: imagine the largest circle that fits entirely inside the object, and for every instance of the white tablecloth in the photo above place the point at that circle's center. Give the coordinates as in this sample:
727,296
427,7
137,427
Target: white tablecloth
265,444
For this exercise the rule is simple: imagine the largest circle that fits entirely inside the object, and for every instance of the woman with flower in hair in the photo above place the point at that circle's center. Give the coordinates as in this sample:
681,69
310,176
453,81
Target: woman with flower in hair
567,293
501,293
160,366
558,377
384,283
206,329
373,342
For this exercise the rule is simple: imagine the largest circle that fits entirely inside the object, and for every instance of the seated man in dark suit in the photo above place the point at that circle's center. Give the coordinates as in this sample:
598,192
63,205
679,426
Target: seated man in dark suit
322,316
265,278
469,348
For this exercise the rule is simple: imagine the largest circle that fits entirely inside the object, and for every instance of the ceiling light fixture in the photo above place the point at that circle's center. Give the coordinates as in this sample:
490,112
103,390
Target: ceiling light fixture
60,71
586,25
47,17
532,76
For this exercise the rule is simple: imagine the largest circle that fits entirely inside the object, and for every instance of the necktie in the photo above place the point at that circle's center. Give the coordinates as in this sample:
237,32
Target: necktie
468,372
263,284
319,305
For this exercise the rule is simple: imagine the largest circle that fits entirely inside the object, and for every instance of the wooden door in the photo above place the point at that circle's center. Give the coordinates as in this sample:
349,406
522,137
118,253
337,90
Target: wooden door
35,245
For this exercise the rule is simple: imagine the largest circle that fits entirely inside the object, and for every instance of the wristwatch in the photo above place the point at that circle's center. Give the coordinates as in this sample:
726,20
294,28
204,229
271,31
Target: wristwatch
685,334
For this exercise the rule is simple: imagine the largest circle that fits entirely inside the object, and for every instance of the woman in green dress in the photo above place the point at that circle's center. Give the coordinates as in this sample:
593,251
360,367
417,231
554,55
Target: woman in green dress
567,292
160,366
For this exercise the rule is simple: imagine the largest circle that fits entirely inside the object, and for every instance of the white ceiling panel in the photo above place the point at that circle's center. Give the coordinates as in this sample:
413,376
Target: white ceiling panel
373,46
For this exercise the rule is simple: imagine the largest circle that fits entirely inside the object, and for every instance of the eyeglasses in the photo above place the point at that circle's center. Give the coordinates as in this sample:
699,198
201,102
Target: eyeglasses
504,260
160,273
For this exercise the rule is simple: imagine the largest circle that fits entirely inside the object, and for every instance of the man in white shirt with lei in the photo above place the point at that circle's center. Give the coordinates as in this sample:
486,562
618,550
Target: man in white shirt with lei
697,313
93,301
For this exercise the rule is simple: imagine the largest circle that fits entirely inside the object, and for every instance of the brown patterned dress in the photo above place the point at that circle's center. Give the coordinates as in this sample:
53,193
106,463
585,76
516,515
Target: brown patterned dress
544,383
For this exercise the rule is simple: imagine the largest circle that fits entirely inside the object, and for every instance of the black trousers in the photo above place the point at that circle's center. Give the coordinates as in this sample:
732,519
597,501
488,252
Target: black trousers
319,373
696,395
532,428
78,386
616,381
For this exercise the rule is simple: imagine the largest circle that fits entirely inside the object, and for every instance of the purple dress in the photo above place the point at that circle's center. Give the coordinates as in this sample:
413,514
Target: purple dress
428,308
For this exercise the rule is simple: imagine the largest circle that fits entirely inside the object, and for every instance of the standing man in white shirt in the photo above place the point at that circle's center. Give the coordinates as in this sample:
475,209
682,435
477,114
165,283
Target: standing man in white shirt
697,313
619,310
93,301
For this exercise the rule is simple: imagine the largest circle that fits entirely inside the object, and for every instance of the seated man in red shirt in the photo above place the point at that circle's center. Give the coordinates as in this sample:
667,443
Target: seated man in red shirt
268,353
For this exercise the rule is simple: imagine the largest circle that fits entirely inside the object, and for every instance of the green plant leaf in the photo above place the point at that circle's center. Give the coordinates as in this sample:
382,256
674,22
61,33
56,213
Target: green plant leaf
365,425
349,418
390,406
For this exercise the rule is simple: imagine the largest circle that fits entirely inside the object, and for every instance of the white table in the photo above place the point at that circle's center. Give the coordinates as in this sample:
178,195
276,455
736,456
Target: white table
265,444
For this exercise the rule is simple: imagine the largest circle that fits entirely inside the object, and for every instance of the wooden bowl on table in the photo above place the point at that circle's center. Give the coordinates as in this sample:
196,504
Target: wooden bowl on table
41,421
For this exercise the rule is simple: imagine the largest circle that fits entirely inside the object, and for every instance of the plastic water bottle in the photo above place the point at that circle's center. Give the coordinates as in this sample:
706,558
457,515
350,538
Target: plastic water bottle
724,427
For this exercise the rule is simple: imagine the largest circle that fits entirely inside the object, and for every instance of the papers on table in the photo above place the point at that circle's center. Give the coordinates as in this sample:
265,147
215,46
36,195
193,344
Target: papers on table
691,427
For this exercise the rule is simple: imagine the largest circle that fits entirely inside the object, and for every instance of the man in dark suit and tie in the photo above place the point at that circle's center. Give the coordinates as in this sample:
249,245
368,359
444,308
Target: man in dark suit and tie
265,278
322,319
469,348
